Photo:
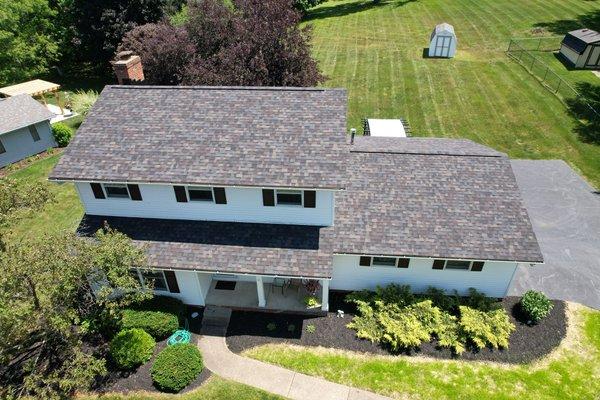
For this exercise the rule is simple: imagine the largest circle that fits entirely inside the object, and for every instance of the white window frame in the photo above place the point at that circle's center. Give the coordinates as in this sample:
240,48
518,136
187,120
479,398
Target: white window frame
207,188
458,269
290,190
143,282
104,185
396,260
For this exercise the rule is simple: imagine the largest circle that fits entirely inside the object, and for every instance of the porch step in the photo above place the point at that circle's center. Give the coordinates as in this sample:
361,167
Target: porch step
215,320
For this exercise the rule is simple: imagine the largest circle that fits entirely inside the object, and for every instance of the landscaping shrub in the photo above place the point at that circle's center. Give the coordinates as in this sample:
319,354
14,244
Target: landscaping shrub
159,316
394,317
311,328
535,305
62,134
131,348
311,302
492,328
479,301
82,101
159,324
176,367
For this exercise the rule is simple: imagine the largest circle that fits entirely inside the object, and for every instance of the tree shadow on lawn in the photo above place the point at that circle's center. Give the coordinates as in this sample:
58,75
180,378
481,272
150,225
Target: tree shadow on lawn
589,20
582,108
339,10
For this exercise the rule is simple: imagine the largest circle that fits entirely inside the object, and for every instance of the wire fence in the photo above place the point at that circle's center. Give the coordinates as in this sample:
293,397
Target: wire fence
523,51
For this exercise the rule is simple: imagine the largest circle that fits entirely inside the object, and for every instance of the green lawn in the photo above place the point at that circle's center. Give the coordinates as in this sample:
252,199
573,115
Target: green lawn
64,212
215,389
376,52
572,372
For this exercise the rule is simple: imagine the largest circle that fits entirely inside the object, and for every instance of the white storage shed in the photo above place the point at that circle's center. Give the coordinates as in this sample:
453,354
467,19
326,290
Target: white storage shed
385,127
443,41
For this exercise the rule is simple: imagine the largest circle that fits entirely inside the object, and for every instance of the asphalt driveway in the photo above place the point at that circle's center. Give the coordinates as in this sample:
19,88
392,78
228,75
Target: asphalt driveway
565,213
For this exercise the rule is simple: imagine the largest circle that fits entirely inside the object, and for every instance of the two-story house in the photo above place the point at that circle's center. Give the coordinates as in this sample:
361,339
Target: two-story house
261,187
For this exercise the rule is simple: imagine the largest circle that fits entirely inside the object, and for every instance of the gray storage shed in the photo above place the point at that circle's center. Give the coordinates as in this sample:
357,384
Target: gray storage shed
581,48
442,42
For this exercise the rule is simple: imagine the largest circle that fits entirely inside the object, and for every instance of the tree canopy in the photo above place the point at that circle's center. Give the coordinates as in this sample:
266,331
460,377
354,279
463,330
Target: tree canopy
250,42
27,45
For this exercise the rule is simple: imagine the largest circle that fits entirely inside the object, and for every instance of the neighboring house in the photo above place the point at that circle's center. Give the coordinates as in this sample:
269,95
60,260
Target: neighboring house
260,186
24,128
581,48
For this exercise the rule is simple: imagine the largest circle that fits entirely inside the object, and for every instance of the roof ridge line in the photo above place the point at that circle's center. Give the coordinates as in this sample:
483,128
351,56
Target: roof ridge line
248,88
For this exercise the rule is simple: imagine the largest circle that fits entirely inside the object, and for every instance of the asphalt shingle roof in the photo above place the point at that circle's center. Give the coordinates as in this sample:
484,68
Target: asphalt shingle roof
434,202
291,137
21,111
230,247
415,145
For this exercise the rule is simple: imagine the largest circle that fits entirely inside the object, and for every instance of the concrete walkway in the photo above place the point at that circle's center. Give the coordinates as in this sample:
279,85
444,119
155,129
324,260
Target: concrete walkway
284,382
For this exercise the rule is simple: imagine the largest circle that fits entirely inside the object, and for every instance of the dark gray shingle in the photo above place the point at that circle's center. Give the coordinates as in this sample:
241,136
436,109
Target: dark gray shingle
415,145
430,205
21,111
289,137
265,249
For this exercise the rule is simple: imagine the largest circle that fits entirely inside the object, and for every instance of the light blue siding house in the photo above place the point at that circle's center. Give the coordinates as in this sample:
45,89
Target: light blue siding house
24,128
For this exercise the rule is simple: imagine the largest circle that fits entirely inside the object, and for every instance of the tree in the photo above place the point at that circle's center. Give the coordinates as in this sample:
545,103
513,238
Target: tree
164,49
48,305
97,27
16,198
27,48
251,42
257,43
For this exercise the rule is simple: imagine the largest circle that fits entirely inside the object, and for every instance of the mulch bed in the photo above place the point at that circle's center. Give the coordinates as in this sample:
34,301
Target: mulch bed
249,329
140,379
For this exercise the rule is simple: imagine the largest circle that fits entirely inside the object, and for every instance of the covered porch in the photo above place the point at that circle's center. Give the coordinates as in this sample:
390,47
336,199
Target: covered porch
267,293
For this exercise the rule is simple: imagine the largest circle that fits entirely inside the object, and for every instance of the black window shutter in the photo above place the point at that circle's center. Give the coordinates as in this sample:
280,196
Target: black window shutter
438,264
365,261
268,197
403,262
220,197
171,281
97,189
134,192
477,266
310,199
180,194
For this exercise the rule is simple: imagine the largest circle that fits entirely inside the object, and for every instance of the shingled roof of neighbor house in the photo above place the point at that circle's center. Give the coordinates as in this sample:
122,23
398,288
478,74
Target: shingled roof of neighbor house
246,136
20,111
228,247
441,198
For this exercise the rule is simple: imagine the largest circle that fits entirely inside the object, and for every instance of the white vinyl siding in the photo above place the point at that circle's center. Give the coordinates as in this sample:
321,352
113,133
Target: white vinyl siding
19,144
493,280
243,205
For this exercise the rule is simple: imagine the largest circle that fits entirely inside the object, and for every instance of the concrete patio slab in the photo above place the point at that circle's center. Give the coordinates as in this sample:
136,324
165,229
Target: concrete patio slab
565,213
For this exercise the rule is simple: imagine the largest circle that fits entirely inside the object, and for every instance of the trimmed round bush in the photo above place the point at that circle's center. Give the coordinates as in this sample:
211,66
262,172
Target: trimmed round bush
535,305
131,348
158,324
62,134
176,367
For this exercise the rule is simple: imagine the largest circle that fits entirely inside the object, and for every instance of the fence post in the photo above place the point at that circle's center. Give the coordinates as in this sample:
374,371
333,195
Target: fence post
539,44
559,82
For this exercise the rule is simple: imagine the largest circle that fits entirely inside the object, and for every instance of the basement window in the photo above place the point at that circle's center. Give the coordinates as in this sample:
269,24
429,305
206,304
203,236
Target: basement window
198,193
384,262
289,197
116,191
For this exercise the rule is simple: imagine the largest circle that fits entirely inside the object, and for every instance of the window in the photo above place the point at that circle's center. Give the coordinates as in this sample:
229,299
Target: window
155,278
289,197
390,262
117,191
197,193
384,262
34,133
475,266
2,149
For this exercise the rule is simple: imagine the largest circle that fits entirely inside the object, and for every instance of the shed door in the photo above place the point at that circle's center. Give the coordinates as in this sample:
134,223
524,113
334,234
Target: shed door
594,58
442,46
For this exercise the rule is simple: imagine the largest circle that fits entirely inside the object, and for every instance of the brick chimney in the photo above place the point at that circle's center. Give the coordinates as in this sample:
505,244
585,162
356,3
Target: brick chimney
128,68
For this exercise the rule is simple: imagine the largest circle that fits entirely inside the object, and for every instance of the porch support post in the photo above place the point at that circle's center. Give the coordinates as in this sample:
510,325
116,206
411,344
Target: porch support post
260,288
325,294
